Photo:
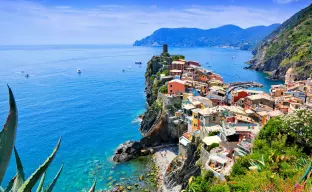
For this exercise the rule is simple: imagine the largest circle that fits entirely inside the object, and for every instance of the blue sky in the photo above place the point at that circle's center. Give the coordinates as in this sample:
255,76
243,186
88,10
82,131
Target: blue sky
124,21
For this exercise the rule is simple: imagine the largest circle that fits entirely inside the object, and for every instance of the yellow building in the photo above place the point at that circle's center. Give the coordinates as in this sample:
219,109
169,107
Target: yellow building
195,119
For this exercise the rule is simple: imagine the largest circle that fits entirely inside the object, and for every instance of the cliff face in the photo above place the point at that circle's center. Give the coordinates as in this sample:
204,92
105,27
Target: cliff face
290,45
155,126
180,170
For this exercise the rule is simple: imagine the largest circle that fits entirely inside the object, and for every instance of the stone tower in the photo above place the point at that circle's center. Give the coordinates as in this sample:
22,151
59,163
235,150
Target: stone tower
165,48
290,76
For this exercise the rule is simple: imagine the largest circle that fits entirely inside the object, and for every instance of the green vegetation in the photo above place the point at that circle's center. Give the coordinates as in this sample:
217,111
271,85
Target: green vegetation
7,139
177,57
165,72
155,87
291,43
178,105
201,183
213,133
280,157
163,89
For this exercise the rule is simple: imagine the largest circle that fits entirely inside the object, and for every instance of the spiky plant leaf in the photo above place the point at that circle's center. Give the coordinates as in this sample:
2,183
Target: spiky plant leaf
1,189
93,187
20,177
40,186
7,136
32,180
10,185
52,184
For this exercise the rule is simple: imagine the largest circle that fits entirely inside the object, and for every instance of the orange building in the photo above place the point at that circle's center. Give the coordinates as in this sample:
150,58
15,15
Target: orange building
176,86
215,76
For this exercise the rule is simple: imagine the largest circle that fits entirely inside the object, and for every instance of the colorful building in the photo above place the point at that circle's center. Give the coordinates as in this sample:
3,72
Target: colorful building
195,119
176,86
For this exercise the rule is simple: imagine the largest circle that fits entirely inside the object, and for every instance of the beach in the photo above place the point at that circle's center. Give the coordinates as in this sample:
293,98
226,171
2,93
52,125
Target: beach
162,159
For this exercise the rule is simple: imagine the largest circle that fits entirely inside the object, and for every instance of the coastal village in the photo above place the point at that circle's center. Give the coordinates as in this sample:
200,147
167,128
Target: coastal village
223,119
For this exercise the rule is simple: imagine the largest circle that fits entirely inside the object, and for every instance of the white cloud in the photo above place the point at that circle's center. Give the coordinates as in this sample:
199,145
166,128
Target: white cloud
24,22
284,1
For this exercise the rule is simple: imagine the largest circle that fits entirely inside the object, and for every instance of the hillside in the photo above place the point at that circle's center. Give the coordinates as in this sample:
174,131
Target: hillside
287,46
227,35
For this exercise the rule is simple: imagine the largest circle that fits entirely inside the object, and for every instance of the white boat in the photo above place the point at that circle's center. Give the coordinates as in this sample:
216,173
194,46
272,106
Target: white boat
78,71
129,67
27,75
138,62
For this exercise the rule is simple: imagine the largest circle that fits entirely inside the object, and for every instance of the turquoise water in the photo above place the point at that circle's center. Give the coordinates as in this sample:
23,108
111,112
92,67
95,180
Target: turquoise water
94,112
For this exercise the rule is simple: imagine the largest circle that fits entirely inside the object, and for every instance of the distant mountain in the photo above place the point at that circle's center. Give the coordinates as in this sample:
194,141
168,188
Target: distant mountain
290,45
227,35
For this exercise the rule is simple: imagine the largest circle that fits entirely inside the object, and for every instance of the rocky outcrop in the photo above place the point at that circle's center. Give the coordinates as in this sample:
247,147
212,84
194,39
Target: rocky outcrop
180,170
127,151
155,126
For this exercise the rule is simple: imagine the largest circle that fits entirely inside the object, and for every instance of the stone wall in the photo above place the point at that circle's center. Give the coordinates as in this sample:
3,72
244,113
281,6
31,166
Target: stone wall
169,100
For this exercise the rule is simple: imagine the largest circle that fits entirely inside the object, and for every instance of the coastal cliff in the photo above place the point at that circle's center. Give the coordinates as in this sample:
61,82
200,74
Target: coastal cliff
287,46
157,126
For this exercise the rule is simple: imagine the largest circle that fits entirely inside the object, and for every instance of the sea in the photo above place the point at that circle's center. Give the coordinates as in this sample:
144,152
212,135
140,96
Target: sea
94,111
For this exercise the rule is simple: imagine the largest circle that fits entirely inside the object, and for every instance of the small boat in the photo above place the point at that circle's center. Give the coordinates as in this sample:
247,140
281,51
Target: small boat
123,70
78,71
233,57
22,71
138,62
27,75
129,67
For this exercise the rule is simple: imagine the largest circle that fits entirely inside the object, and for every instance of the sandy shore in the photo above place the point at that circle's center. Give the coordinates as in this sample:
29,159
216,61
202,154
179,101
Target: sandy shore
162,159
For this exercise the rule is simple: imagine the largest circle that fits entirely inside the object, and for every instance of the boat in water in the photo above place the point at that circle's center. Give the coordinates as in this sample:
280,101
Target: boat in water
78,71
138,62
27,75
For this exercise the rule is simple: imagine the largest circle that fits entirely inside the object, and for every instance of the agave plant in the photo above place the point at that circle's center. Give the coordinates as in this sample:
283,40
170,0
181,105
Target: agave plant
7,139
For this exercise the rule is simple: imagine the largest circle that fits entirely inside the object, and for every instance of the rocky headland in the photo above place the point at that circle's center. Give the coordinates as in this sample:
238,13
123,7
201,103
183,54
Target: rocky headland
161,131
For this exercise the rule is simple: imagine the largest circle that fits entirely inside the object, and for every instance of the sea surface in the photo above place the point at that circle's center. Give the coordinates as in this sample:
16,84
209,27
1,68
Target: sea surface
93,111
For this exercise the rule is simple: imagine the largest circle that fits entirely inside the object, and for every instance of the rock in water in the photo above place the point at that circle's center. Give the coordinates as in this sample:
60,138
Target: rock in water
127,151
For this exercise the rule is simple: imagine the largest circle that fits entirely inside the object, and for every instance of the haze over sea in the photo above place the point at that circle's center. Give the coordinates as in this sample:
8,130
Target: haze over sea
94,112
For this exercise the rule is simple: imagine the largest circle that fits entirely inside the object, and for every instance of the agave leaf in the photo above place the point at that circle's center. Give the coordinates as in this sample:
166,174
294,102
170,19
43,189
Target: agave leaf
52,184
20,177
7,136
10,185
40,186
93,187
1,189
32,180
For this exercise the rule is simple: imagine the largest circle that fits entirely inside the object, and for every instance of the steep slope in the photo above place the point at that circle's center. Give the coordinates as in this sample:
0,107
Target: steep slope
229,35
287,46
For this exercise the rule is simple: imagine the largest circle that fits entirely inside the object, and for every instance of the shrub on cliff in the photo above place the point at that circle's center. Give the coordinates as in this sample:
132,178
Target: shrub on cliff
177,57
163,89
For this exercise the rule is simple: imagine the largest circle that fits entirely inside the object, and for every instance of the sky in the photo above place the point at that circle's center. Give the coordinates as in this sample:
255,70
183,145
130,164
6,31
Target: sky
34,22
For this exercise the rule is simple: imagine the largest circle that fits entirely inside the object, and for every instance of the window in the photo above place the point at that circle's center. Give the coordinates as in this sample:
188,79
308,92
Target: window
213,118
170,91
170,85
